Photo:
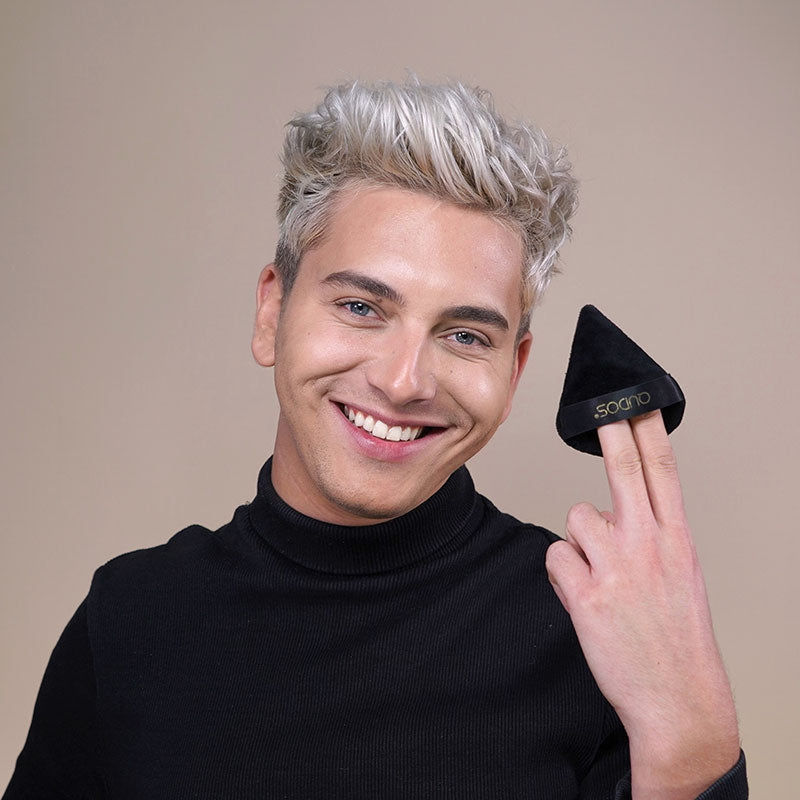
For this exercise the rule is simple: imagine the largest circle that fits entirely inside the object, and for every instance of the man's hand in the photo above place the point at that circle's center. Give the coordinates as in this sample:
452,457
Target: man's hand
631,582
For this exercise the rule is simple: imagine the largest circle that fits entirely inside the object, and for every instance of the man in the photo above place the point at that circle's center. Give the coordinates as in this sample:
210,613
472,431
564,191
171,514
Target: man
369,626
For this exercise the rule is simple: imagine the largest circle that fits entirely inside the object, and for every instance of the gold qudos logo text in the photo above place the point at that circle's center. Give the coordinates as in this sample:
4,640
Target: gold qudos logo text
623,404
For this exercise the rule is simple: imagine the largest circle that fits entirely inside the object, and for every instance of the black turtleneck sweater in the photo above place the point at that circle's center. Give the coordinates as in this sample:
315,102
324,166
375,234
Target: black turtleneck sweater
282,657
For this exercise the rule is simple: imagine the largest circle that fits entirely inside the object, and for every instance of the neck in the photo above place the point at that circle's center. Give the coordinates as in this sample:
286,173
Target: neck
312,504
444,519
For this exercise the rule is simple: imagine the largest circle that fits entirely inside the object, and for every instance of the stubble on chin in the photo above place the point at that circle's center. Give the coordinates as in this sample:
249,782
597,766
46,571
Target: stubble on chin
372,510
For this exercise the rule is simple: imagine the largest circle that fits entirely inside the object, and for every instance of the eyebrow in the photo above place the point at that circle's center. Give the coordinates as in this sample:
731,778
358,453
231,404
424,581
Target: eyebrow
485,316
359,281
479,314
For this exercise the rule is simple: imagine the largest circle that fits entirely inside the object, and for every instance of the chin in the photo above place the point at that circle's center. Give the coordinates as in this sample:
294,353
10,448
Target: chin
380,506
371,511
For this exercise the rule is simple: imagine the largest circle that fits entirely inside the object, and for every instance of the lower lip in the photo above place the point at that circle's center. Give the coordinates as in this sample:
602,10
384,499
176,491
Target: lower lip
382,449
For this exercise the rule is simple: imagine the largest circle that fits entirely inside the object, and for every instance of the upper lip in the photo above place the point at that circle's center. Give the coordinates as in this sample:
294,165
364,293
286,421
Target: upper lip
391,420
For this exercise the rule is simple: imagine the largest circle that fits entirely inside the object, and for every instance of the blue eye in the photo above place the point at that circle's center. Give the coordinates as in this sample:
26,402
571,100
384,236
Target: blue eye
358,308
464,337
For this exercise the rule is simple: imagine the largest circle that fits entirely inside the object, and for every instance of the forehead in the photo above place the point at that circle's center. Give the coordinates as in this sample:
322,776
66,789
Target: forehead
428,243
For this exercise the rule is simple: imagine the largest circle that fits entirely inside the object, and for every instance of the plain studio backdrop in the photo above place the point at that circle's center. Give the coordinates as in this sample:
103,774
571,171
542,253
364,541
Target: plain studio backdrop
140,171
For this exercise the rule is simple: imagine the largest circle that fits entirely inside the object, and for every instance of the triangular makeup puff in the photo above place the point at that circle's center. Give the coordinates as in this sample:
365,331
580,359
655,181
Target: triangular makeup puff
609,377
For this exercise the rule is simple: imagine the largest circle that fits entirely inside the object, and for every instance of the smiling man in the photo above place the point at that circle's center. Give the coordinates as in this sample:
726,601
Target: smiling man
396,352
370,626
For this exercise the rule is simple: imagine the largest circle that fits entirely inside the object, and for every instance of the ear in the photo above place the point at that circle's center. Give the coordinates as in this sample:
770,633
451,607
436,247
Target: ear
520,360
268,308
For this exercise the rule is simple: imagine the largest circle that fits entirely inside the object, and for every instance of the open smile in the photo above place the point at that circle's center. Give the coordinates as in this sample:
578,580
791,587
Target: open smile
383,430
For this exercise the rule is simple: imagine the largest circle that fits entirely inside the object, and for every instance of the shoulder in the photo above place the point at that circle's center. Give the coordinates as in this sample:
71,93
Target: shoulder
521,543
145,595
145,581
510,527
186,548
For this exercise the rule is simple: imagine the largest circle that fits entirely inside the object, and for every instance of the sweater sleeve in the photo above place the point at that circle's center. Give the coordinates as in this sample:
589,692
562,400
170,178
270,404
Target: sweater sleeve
730,786
612,760
60,756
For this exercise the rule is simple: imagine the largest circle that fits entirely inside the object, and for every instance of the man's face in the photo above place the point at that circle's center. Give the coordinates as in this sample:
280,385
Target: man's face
405,318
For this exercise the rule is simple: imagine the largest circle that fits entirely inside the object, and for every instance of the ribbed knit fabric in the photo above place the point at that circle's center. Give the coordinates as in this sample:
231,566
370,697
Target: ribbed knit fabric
283,657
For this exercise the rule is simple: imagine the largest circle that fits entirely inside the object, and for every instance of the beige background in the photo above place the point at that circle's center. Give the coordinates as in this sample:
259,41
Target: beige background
139,176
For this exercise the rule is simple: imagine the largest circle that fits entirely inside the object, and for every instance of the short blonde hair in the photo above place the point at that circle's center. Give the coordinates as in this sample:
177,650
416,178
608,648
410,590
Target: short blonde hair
444,140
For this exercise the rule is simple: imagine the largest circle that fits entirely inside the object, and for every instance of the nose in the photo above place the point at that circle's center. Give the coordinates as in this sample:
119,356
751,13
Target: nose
403,370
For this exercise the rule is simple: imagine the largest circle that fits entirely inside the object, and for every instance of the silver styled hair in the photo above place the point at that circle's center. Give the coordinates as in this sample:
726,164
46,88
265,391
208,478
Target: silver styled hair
444,140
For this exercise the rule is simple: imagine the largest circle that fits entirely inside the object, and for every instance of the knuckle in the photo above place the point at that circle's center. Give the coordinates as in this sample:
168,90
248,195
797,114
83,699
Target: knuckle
628,461
554,556
600,599
578,514
552,552
663,461
683,553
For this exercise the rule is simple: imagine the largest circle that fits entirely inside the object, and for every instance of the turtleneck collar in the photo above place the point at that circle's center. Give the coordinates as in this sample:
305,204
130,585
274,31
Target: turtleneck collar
448,516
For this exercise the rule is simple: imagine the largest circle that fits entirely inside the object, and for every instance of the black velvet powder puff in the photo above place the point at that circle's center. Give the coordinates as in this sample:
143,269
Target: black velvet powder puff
609,377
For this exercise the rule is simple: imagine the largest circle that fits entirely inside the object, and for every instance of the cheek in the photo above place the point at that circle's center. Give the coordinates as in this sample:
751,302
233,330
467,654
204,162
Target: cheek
305,353
482,394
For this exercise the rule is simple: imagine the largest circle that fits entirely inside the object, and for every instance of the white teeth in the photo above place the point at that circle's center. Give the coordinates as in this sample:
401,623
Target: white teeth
397,433
380,429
